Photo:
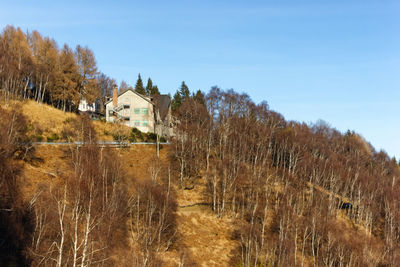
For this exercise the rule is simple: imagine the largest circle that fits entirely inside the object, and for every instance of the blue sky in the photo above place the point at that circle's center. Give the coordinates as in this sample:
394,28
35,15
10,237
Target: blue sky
335,60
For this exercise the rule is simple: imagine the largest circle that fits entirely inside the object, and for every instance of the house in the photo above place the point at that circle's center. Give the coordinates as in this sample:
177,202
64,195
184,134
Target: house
85,107
148,114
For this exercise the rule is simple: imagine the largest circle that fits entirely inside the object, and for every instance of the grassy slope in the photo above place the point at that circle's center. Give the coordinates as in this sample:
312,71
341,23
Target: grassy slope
46,120
208,239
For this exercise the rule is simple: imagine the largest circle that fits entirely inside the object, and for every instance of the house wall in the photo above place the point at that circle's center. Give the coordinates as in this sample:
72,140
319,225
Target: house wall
84,106
134,113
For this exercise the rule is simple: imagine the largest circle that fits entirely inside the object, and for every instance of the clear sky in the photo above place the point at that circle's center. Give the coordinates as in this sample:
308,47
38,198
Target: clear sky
336,60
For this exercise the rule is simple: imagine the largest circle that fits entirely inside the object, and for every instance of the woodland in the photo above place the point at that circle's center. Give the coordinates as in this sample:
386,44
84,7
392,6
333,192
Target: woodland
297,194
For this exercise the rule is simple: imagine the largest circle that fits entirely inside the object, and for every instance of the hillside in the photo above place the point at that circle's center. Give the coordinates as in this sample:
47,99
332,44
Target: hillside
249,199
202,238
50,164
45,122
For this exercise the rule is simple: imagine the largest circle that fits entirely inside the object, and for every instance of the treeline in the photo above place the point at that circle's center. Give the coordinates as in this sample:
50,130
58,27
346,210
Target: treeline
300,194
85,215
33,66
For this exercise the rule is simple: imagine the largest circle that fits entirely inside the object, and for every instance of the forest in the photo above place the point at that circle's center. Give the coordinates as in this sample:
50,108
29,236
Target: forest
298,194
34,67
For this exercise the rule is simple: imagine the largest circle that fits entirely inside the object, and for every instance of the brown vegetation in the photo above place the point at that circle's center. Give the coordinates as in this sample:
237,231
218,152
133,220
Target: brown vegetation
33,67
15,226
287,183
70,205
246,188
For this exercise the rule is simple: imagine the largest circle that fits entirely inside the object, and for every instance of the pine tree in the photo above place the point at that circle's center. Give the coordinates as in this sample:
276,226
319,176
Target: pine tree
180,96
184,91
139,86
149,87
199,97
176,101
154,90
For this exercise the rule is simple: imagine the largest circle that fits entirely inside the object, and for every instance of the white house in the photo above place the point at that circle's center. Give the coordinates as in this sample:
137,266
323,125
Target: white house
84,106
148,114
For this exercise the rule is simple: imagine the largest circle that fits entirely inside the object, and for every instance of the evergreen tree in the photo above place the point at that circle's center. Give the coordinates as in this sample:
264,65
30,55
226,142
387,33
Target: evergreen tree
139,86
180,96
176,101
199,97
184,91
154,90
149,87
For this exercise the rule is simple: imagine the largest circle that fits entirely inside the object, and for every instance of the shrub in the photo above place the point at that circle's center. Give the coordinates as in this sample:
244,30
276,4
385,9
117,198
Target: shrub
132,138
119,136
136,135
53,137
151,137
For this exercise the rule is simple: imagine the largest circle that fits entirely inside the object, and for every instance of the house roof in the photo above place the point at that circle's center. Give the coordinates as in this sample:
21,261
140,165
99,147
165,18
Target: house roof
162,102
120,94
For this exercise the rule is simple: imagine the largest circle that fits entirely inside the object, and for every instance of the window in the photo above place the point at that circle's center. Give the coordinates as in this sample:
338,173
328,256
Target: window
137,123
126,106
145,123
137,110
145,111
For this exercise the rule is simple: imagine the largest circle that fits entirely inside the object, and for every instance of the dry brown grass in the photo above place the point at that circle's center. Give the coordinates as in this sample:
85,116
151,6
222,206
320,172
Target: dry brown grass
46,120
207,237
105,130
51,164
136,161
49,119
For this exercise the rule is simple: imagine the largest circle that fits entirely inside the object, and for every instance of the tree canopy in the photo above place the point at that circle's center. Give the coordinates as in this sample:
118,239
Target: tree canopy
33,66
